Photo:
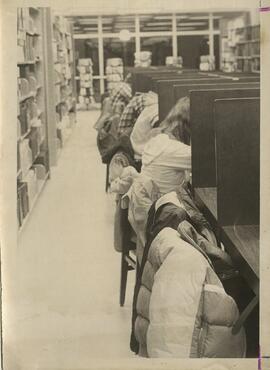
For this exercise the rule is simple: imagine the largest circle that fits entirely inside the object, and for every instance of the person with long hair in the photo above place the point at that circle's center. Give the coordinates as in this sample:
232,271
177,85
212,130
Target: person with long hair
166,158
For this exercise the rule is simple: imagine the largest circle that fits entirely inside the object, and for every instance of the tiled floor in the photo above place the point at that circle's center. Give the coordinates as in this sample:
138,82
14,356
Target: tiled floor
65,310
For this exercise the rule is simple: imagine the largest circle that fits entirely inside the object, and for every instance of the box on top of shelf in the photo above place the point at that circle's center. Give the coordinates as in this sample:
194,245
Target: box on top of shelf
207,63
143,59
85,62
86,95
114,72
174,61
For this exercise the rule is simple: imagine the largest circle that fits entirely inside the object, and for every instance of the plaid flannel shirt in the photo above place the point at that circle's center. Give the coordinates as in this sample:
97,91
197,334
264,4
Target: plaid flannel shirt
120,98
131,113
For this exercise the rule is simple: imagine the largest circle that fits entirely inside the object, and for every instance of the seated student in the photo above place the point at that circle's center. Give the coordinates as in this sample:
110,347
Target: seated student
124,128
133,110
108,121
140,134
114,105
122,94
166,158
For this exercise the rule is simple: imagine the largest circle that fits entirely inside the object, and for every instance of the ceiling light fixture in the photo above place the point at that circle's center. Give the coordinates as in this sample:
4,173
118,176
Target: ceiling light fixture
124,35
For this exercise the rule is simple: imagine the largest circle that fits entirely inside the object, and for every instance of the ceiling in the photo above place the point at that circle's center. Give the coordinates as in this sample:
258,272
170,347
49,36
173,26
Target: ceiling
148,22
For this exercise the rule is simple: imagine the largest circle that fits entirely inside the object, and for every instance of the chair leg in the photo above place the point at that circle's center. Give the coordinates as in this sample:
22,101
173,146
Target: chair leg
107,178
123,280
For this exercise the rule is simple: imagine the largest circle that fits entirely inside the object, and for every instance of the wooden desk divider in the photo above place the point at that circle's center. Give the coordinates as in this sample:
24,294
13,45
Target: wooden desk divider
166,91
177,77
238,187
237,123
142,78
138,77
203,148
145,80
164,88
203,128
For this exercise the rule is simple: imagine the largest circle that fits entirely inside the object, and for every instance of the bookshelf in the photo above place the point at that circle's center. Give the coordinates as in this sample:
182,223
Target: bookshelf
64,79
37,127
33,168
240,45
247,49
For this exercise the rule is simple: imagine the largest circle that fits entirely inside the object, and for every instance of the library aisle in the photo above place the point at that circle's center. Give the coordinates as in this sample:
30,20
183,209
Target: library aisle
67,303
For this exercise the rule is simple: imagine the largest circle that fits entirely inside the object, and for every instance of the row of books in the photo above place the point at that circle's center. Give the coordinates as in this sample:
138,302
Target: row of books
63,58
27,21
248,49
63,109
28,188
63,69
32,70
248,65
61,24
63,40
64,127
29,116
63,93
27,86
248,33
29,149
61,54
29,49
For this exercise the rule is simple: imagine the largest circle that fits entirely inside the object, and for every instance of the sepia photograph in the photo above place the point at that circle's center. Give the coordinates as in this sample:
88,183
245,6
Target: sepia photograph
132,199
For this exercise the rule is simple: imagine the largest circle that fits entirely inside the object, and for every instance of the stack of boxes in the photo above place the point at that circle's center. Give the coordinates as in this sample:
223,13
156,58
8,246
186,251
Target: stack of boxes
228,59
114,72
85,69
207,63
143,59
175,62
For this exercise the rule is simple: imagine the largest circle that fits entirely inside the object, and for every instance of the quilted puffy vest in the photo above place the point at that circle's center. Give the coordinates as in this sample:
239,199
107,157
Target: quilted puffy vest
183,310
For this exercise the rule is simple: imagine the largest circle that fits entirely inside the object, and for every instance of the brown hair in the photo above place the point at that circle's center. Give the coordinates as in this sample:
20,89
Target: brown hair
177,122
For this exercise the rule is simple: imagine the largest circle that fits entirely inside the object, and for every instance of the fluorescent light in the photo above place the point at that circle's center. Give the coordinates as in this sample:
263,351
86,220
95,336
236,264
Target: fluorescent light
201,17
187,29
163,17
182,17
123,17
145,16
86,21
148,29
159,23
192,24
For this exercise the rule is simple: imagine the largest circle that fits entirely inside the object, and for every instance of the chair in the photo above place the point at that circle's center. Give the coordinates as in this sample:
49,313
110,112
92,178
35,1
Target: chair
128,262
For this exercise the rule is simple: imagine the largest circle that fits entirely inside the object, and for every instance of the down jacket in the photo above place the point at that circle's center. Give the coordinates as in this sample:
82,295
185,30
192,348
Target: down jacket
183,310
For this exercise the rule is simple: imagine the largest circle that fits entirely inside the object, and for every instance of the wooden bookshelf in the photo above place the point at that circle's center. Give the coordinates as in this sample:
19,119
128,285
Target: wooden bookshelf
37,125
65,99
247,49
33,166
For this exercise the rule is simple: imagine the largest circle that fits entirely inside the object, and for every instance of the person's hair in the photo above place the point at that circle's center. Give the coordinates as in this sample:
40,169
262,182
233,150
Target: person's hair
177,122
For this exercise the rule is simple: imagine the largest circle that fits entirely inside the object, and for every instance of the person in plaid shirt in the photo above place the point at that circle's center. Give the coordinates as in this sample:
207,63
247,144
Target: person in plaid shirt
120,97
133,110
